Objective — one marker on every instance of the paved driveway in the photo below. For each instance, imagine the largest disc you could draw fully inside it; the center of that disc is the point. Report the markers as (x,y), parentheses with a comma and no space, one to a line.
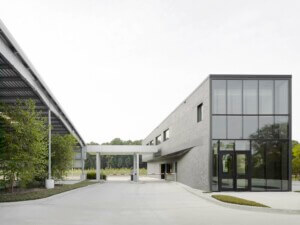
(122,203)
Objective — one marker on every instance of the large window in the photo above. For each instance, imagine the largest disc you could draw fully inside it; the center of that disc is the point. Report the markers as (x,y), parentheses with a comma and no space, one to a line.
(234,127)
(250,127)
(219,127)
(219,96)
(250,97)
(234,97)
(266,96)
(281,97)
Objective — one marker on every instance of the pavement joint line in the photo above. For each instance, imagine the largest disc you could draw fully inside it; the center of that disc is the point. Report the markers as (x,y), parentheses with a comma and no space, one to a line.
(199,193)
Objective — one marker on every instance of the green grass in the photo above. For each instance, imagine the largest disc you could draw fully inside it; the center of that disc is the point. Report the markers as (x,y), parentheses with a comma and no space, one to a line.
(237,201)
(41,193)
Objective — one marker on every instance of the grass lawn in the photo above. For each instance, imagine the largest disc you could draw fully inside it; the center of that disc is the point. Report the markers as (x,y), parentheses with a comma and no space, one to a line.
(237,201)
(41,192)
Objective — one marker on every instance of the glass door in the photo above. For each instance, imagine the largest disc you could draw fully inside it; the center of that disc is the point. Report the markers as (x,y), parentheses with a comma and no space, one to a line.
(242,162)
(234,170)
(226,170)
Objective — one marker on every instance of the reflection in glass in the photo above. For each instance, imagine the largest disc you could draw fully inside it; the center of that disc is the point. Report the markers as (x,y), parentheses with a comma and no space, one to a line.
(250,127)
(273,165)
(219,127)
(241,183)
(250,96)
(258,180)
(242,145)
(234,127)
(227,183)
(281,127)
(285,164)
(241,164)
(281,96)
(215,166)
(234,96)
(227,145)
(266,127)
(227,161)
(266,97)
(218,96)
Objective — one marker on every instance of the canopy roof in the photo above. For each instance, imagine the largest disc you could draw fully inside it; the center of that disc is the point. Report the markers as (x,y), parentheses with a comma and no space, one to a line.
(121,149)
(20,80)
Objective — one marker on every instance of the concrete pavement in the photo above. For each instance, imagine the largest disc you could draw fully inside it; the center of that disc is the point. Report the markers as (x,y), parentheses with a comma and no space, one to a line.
(122,203)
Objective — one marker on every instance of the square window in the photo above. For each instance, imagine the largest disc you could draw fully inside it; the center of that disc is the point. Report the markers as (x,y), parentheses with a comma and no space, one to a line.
(166,134)
(158,140)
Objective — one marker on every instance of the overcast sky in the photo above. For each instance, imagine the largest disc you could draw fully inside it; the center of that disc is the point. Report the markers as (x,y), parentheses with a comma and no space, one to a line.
(119,67)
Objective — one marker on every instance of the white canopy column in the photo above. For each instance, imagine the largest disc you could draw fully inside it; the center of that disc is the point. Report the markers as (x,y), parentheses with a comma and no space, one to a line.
(98,166)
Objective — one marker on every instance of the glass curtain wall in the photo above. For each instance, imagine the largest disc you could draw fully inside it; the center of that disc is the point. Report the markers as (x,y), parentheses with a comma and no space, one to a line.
(250,132)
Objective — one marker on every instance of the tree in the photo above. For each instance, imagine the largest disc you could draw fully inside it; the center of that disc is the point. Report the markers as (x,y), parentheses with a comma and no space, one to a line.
(23,153)
(62,154)
(296,160)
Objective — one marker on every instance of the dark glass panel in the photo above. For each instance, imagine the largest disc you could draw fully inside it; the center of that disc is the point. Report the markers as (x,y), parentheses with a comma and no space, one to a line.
(258,180)
(234,97)
(219,127)
(215,166)
(250,127)
(266,96)
(227,183)
(266,127)
(281,127)
(250,96)
(285,165)
(273,165)
(241,164)
(281,96)
(219,97)
(234,127)
(227,162)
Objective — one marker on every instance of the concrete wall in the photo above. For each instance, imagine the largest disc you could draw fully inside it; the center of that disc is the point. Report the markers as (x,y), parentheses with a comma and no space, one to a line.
(185,133)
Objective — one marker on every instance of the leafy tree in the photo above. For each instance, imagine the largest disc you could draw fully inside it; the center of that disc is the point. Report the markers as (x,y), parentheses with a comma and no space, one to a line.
(62,154)
(23,153)
(296,160)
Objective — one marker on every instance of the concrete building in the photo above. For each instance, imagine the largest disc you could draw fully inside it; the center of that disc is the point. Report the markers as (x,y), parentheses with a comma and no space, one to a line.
(233,133)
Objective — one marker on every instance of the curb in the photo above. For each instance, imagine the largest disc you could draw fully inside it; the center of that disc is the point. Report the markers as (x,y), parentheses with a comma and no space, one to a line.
(235,206)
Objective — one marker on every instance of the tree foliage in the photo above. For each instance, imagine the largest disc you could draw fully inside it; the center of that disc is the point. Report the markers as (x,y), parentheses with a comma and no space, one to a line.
(62,154)
(296,160)
(23,145)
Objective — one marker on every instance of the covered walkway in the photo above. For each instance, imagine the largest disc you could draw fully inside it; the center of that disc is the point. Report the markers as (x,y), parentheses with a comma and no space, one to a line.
(134,150)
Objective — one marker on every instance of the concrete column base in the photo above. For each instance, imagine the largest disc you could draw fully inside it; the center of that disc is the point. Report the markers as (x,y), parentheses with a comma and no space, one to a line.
(49,183)
(83,176)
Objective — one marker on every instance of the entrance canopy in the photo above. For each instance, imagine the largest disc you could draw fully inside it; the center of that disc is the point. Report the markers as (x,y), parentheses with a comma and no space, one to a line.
(134,150)
(120,149)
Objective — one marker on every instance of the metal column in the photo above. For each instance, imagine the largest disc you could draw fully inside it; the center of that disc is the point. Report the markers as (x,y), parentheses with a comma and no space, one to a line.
(49,144)
(137,167)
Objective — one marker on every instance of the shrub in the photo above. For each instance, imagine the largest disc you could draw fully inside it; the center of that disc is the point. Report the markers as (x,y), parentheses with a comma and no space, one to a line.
(91,175)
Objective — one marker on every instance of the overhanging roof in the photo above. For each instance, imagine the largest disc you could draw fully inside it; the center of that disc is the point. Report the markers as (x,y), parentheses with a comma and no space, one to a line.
(20,80)
(121,149)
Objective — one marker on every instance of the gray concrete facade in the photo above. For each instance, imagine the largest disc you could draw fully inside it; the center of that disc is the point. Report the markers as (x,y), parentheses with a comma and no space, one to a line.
(185,134)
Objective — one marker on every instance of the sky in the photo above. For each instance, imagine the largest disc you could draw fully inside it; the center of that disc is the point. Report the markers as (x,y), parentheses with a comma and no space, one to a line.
(119,67)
